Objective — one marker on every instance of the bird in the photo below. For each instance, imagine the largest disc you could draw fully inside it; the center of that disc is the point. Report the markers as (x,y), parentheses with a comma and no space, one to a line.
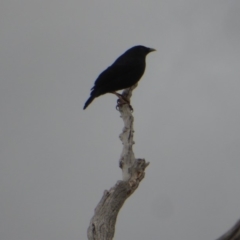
(125,72)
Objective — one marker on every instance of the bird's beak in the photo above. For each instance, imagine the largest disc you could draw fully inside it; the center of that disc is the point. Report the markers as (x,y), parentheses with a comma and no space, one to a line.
(152,50)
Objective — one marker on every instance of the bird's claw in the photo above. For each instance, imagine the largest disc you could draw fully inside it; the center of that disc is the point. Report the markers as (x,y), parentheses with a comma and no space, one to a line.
(120,103)
(131,108)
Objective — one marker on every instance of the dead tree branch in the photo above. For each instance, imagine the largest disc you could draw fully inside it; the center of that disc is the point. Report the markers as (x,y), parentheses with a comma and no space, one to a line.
(102,224)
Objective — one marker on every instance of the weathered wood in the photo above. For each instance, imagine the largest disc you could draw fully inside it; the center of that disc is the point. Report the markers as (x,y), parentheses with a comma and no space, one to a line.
(102,224)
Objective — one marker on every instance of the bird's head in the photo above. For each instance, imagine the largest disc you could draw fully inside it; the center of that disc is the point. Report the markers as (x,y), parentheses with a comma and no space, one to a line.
(141,50)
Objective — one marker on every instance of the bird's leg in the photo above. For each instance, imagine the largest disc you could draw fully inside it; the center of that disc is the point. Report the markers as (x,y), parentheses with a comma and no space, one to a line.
(122,100)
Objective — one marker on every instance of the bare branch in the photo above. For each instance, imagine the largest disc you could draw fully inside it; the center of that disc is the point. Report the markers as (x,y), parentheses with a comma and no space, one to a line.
(102,224)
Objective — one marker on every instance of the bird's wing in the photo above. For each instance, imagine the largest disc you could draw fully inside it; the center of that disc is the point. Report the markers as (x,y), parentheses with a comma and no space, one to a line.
(115,71)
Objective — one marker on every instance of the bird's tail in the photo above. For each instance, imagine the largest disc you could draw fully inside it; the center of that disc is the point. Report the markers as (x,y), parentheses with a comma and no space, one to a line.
(91,98)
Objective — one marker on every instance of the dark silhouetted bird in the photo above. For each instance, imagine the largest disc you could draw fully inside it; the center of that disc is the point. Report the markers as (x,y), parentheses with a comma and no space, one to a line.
(123,73)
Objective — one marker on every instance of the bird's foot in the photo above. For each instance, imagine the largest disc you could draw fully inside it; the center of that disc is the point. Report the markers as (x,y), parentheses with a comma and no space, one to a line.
(121,101)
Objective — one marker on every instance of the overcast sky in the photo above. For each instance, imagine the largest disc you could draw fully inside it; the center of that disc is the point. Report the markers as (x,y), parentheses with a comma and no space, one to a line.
(56,159)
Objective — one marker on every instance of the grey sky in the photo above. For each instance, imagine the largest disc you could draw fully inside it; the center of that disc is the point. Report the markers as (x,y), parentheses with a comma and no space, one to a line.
(56,159)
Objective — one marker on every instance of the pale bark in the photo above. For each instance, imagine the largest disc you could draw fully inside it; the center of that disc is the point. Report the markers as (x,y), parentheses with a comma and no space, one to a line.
(102,224)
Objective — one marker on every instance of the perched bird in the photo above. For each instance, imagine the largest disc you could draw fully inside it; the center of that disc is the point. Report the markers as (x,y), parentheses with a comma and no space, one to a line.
(123,73)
